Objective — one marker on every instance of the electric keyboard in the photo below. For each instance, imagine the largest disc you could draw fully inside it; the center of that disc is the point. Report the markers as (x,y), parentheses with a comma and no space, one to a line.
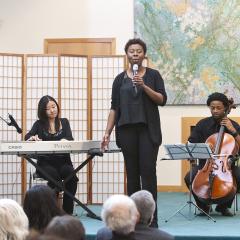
(51,147)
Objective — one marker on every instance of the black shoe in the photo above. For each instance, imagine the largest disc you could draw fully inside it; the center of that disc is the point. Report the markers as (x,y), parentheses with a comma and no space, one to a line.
(201,214)
(207,210)
(224,211)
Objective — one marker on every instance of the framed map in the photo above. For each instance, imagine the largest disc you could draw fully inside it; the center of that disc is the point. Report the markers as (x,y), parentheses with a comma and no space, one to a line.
(195,45)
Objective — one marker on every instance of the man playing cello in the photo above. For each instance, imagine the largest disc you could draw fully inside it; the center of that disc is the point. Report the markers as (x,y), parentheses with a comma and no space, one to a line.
(219,106)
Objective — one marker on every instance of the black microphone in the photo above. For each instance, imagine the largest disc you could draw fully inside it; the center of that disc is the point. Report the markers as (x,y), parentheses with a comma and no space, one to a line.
(135,71)
(14,123)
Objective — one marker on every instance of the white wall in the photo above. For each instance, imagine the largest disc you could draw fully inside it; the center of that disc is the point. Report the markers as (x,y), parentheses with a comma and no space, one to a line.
(24,24)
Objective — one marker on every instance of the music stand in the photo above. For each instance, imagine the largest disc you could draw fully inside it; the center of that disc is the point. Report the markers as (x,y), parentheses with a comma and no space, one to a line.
(189,151)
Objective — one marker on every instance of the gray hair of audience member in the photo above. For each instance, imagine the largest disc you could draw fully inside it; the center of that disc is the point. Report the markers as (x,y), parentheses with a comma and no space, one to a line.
(66,227)
(120,214)
(145,205)
(13,221)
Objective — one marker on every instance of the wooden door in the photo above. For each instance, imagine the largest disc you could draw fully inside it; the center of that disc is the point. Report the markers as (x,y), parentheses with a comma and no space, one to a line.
(80,46)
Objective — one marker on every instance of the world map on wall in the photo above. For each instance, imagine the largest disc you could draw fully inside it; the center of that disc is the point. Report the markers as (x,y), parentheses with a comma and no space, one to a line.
(195,45)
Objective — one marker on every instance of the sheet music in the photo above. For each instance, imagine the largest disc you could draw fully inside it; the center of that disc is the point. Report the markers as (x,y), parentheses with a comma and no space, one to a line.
(188,151)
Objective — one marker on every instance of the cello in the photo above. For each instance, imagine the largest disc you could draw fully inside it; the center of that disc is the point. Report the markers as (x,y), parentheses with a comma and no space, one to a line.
(214,183)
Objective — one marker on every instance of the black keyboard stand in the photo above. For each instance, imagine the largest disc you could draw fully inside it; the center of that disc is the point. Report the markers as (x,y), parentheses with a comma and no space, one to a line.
(92,153)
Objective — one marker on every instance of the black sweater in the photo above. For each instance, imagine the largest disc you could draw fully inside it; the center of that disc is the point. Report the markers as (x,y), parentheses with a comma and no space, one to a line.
(152,79)
(64,133)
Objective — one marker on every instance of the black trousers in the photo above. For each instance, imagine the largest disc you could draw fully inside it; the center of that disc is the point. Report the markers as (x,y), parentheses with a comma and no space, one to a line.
(140,156)
(60,173)
(226,204)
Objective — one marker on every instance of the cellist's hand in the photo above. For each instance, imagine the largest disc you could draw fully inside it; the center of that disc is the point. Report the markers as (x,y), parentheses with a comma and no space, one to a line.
(228,124)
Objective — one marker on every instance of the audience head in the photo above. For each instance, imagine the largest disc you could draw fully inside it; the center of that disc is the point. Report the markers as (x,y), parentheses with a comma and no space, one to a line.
(66,227)
(145,205)
(120,214)
(40,205)
(13,221)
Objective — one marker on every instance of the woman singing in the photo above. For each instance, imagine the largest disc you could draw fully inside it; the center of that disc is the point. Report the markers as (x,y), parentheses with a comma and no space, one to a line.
(136,95)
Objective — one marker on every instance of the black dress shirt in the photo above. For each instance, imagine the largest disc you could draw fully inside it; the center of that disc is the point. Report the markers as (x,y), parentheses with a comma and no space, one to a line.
(205,128)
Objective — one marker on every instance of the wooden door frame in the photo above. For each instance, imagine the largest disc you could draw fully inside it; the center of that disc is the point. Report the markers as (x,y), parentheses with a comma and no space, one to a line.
(111,41)
(187,123)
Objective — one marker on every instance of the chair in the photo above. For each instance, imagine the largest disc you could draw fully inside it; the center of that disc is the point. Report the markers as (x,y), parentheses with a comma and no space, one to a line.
(35,179)
(235,204)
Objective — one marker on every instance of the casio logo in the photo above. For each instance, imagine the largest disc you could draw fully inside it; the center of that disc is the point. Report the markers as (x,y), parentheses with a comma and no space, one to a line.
(15,147)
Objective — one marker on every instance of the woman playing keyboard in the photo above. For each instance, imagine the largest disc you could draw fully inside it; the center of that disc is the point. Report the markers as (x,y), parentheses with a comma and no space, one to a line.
(49,127)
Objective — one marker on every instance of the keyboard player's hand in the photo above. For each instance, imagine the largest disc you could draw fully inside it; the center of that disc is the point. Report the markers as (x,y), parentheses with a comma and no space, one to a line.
(105,142)
(34,138)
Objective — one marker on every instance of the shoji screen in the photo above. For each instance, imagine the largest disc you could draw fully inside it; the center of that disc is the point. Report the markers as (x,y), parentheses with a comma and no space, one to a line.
(10,102)
(82,87)
(108,171)
(74,102)
(41,79)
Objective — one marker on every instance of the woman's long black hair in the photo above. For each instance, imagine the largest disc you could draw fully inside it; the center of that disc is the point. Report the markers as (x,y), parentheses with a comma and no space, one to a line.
(40,206)
(42,115)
